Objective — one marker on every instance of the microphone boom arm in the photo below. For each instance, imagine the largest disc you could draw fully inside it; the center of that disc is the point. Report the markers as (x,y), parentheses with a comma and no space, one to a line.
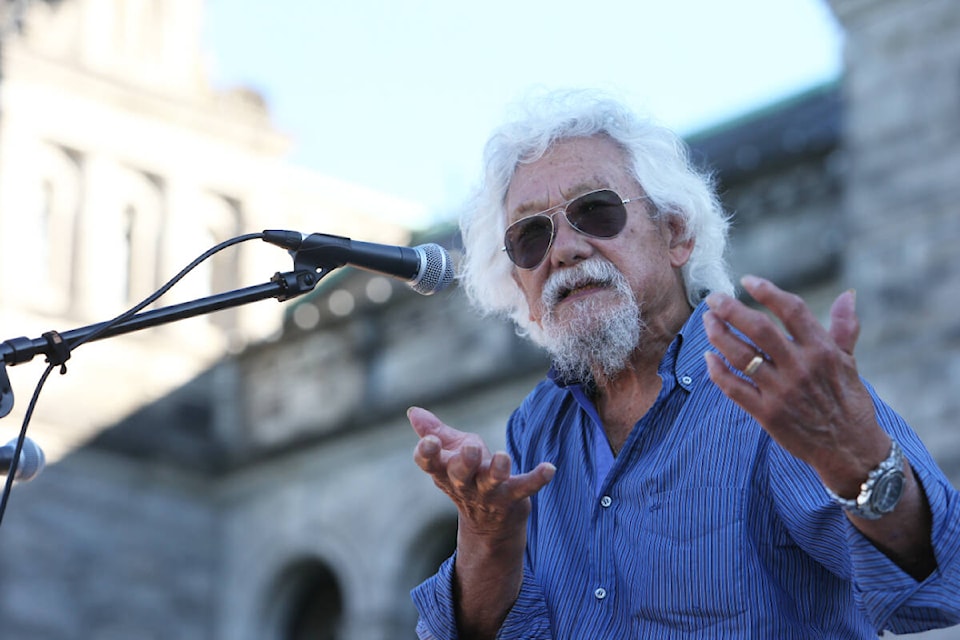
(282,286)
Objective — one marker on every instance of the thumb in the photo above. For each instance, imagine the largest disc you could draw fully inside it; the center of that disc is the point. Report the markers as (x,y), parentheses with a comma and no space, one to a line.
(844,323)
(424,422)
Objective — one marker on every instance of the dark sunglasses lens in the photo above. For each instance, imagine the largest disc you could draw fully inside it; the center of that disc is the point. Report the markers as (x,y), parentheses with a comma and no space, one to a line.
(528,240)
(600,214)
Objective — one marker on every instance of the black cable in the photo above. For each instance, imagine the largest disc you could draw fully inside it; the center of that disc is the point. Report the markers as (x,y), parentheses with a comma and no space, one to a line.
(12,472)
(162,290)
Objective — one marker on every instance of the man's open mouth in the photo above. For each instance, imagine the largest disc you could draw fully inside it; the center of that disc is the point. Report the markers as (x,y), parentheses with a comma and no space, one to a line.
(565,292)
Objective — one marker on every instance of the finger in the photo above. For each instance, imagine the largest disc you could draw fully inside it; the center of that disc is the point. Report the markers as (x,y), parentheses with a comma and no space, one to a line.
(463,465)
(755,325)
(733,386)
(524,485)
(788,307)
(426,423)
(427,454)
(497,472)
(844,323)
(737,352)
(494,472)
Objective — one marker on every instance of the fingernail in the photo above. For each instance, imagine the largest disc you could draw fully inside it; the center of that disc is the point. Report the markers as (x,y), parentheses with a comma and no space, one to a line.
(471,452)
(501,463)
(551,470)
(430,445)
(750,281)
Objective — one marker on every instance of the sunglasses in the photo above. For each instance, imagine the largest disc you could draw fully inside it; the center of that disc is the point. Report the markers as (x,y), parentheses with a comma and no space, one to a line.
(597,214)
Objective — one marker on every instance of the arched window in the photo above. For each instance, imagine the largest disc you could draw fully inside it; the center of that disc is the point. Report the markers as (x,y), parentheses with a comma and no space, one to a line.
(308,603)
(42,234)
(220,219)
(50,229)
(317,609)
(435,543)
(128,223)
(139,229)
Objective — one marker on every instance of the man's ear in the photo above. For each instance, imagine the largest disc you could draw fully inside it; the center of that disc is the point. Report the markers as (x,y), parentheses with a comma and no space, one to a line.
(679,242)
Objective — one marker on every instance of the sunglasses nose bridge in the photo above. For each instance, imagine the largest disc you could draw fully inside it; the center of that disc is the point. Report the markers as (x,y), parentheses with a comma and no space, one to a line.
(562,212)
(565,210)
(567,242)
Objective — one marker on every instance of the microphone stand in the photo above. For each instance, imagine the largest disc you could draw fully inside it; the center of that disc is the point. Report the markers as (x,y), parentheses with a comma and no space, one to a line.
(308,268)
(56,346)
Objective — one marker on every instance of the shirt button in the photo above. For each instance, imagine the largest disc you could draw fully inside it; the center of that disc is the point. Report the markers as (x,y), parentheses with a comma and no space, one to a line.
(686,380)
(600,593)
(606,501)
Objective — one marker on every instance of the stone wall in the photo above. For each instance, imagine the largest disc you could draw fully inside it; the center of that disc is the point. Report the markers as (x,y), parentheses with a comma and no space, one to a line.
(107,548)
(902,206)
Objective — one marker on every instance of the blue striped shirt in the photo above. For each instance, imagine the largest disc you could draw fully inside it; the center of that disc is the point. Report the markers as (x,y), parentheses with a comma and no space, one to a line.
(701,527)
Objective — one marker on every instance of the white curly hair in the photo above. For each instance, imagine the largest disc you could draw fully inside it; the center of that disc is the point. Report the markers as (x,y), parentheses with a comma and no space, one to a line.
(661,166)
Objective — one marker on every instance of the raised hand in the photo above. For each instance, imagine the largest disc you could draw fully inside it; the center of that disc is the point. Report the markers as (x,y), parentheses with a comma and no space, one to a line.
(800,382)
(490,501)
(493,508)
(802,386)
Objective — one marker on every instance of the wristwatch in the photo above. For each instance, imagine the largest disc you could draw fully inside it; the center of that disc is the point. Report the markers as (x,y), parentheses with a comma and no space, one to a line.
(881,491)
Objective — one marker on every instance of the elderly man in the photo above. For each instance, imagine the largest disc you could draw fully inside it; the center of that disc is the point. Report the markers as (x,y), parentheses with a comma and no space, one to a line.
(687,469)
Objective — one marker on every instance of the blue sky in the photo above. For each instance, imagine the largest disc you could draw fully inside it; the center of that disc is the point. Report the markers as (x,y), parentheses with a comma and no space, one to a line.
(400,96)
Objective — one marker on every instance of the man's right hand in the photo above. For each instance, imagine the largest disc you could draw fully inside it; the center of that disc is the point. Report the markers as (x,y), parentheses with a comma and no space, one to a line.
(493,508)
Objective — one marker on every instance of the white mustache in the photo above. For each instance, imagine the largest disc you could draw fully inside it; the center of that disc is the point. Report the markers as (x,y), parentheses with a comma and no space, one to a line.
(592,272)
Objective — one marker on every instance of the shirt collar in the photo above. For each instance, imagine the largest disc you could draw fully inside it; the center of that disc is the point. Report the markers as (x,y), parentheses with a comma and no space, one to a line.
(684,357)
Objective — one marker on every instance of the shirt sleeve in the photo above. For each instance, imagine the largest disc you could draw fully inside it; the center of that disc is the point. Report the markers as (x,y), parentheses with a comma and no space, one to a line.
(890,598)
(528,618)
(894,599)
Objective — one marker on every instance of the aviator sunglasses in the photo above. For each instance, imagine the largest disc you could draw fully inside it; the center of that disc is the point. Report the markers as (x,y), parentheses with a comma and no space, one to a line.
(597,214)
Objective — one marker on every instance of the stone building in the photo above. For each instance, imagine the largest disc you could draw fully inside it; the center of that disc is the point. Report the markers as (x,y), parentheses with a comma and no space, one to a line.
(119,164)
(274,495)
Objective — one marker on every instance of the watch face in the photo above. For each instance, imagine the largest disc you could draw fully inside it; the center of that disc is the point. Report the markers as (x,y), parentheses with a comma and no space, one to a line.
(887,492)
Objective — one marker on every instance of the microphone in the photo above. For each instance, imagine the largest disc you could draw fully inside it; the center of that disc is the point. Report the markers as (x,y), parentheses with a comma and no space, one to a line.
(31,461)
(426,268)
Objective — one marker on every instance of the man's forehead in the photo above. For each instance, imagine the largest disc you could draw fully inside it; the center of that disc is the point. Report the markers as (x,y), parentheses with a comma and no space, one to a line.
(568,168)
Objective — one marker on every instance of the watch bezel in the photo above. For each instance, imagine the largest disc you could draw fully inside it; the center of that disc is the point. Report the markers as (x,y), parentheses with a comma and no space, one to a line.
(876,499)
(882,499)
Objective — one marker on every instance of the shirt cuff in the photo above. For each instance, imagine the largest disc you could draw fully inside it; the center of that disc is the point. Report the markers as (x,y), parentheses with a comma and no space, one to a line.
(433,599)
(528,618)
(893,599)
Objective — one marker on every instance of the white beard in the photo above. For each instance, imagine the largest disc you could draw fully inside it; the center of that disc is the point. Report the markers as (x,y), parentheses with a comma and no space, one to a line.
(597,337)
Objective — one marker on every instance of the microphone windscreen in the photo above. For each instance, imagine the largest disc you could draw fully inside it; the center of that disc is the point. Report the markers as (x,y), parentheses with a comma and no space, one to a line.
(436,269)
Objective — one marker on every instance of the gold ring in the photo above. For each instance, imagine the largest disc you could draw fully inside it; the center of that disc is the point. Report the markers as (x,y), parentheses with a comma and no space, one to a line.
(754,364)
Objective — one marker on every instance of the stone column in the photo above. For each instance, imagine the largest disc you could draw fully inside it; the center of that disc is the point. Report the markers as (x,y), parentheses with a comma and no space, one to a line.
(902,206)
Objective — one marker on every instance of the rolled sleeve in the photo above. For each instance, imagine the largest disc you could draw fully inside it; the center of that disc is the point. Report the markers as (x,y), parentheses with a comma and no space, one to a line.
(892,598)
(528,618)
(433,599)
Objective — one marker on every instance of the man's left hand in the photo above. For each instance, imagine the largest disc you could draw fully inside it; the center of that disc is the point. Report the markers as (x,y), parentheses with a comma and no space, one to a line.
(800,381)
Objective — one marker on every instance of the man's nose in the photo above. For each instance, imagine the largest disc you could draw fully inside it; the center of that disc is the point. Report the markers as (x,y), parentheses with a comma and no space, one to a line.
(569,245)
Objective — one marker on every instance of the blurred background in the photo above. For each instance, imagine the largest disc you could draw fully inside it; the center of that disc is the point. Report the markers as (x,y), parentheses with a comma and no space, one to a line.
(248,474)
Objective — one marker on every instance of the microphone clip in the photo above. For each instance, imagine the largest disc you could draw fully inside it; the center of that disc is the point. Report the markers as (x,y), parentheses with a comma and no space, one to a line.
(295,283)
